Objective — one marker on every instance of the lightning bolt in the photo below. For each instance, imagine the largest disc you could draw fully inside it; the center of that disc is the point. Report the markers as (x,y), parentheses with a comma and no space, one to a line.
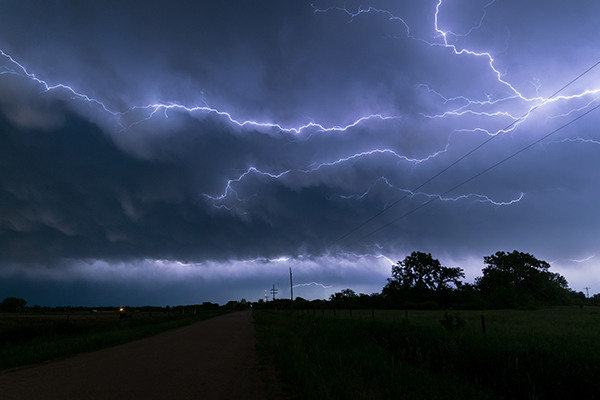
(230,191)
(576,140)
(152,109)
(128,118)
(442,38)
(465,109)
(22,72)
(148,111)
(584,260)
(479,198)
(505,110)
(467,106)
(515,109)
(313,284)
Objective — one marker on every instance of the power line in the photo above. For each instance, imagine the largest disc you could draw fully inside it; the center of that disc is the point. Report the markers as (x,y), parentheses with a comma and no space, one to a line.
(462,158)
(273,292)
(291,290)
(281,277)
(476,175)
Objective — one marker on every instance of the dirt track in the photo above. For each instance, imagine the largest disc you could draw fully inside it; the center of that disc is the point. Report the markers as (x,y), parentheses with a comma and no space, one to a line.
(213,359)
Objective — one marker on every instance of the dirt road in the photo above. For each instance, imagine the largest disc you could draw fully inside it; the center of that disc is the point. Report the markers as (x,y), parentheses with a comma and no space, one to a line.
(213,359)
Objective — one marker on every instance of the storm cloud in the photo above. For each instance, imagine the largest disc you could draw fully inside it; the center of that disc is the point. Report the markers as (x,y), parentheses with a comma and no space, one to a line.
(156,153)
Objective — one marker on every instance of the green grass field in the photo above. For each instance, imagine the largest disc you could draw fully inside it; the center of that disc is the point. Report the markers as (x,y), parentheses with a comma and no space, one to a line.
(32,338)
(542,354)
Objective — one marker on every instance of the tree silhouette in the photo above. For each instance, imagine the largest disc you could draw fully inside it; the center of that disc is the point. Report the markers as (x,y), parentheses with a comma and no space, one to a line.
(513,279)
(344,298)
(12,304)
(423,272)
(420,277)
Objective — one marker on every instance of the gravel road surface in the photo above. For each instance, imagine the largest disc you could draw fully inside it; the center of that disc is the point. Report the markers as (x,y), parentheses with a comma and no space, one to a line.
(212,359)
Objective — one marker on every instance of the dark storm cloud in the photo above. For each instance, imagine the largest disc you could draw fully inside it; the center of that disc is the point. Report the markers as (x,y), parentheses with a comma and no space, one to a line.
(72,193)
(120,180)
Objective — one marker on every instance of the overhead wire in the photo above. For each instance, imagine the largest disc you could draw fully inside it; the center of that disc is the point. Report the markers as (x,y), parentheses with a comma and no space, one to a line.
(476,175)
(460,159)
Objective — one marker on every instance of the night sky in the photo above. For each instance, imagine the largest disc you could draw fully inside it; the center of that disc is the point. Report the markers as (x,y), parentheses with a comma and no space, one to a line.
(156,153)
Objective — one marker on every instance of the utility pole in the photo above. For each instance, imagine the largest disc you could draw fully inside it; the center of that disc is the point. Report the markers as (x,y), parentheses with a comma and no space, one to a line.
(291,289)
(273,292)
(587,292)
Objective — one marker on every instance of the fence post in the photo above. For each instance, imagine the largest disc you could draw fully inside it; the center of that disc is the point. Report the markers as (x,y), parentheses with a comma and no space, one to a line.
(482,323)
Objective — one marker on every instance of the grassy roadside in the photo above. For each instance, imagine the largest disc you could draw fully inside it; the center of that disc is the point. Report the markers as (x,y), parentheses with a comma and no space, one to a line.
(35,339)
(326,358)
(543,354)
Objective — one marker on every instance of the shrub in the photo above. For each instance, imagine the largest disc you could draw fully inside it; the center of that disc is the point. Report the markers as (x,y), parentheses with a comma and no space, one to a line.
(453,323)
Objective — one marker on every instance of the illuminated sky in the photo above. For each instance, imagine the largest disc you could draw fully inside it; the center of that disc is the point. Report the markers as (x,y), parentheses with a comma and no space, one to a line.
(160,153)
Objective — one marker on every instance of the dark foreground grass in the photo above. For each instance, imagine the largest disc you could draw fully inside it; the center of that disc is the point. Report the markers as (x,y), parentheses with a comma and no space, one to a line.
(326,358)
(543,354)
(31,339)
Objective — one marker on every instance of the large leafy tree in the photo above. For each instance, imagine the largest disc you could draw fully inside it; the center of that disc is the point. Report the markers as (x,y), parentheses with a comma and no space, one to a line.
(423,272)
(12,304)
(345,296)
(517,278)
(420,277)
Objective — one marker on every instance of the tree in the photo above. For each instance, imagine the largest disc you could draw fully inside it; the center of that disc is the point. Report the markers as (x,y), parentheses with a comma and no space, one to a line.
(12,304)
(344,295)
(423,272)
(420,277)
(301,303)
(515,279)
(344,298)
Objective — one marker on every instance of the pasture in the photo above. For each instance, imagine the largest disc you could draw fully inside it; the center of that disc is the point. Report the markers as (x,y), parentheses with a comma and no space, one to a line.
(551,353)
(28,338)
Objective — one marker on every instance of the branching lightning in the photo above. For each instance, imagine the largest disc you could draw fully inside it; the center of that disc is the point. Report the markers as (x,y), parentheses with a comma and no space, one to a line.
(584,260)
(470,107)
(230,190)
(477,198)
(150,110)
(313,284)
(497,110)
(474,107)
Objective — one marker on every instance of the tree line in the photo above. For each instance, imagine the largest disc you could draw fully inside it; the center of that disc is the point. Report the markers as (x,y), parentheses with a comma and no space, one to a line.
(509,280)
(15,304)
